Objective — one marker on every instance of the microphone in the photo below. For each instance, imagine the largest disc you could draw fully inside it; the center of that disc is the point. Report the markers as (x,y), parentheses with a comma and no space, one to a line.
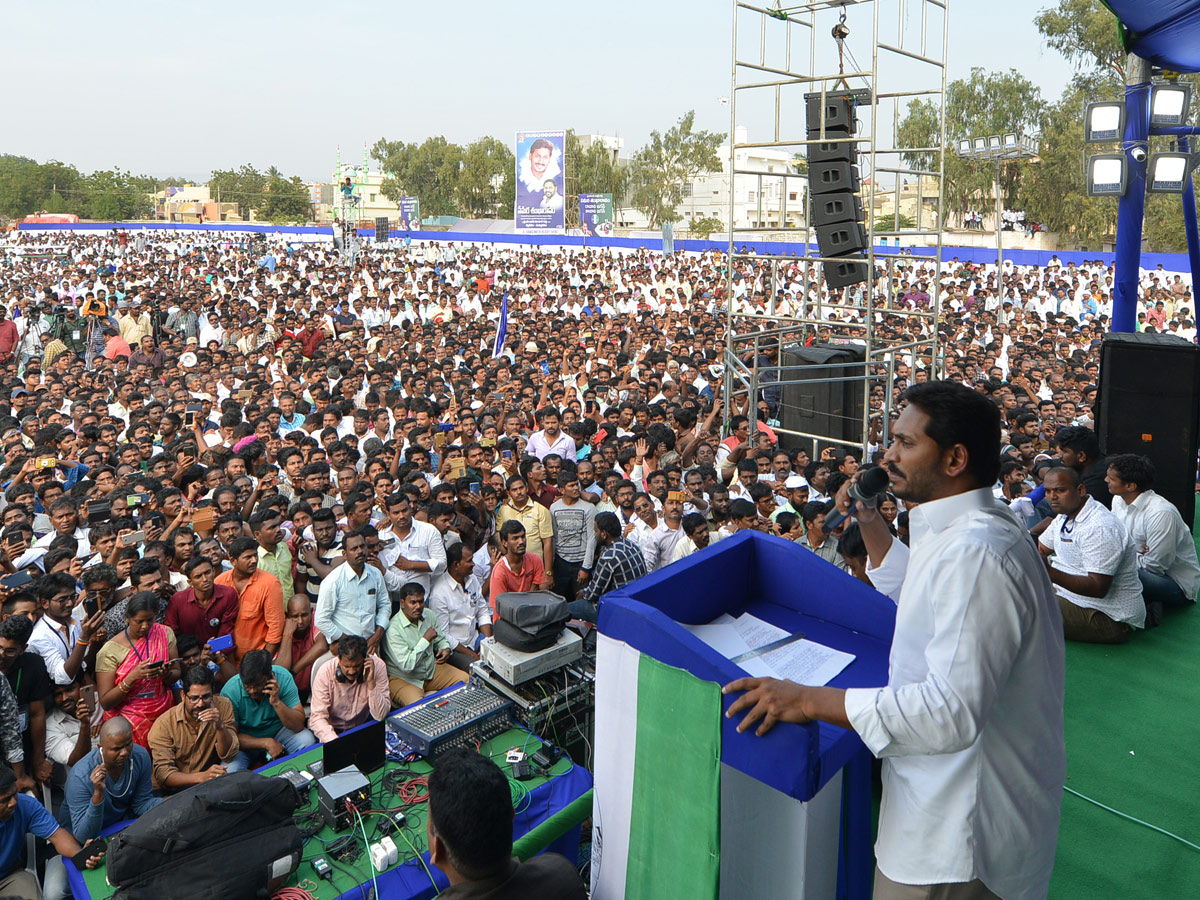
(866,490)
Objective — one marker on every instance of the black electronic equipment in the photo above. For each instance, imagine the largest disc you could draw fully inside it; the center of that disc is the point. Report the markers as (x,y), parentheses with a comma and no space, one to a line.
(833,182)
(381,228)
(338,792)
(1149,403)
(301,781)
(363,747)
(461,717)
(815,403)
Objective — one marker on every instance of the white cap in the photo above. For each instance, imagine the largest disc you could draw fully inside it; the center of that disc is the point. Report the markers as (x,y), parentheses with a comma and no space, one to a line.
(795,481)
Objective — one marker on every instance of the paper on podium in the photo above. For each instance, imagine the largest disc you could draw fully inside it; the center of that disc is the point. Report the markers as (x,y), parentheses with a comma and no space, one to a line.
(802,661)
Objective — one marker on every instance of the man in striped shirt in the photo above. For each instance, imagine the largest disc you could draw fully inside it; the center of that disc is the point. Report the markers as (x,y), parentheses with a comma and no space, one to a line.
(620,562)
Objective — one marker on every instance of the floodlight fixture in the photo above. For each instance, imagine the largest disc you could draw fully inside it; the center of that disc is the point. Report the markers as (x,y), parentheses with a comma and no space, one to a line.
(1107,175)
(979,145)
(994,142)
(964,146)
(1169,102)
(1168,173)
(1104,122)
(1010,140)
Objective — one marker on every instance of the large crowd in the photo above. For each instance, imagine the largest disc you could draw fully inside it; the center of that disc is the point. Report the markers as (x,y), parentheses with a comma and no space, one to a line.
(253,496)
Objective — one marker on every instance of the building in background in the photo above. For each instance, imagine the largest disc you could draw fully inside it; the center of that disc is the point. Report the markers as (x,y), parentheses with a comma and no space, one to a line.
(773,202)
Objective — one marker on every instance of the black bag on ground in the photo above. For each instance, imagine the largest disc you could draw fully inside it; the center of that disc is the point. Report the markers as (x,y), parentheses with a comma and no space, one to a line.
(232,838)
(529,621)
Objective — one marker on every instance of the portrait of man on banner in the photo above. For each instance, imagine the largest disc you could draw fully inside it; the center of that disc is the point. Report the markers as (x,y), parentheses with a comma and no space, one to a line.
(541,189)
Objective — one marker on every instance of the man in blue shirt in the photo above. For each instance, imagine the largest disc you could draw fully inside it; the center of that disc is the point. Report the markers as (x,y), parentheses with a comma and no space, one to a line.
(269,714)
(20,814)
(110,784)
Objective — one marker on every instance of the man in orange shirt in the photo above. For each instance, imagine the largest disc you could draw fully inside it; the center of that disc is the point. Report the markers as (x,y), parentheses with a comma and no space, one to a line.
(516,570)
(260,615)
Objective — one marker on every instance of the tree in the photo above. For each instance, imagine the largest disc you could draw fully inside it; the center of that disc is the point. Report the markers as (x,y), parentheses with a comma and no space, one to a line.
(488,166)
(667,162)
(1088,35)
(984,103)
(705,227)
(285,200)
(887,222)
(245,186)
(429,170)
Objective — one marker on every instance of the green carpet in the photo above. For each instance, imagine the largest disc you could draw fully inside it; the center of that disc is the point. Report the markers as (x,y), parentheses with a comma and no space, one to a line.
(1132,738)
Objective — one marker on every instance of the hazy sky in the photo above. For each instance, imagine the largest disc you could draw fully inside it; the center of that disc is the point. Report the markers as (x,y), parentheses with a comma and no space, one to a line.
(170,88)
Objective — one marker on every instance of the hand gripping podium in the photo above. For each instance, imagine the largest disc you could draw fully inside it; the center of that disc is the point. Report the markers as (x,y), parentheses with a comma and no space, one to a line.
(684,803)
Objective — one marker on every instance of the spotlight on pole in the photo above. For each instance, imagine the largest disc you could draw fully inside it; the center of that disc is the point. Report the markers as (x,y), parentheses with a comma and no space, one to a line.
(1107,175)
(1168,173)
(1169,103)
(1104,122)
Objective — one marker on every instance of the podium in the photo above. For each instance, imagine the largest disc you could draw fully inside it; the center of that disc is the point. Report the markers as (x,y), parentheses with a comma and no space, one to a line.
(794,809)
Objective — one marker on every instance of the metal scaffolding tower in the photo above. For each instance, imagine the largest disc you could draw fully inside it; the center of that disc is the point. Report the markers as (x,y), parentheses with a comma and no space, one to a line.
(781,53)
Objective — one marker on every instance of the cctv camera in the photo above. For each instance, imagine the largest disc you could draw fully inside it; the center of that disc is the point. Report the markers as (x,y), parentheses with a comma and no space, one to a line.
(1138,154)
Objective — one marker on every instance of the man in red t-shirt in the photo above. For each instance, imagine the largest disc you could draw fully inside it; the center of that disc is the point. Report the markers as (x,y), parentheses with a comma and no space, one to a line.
(8,336)
(302,644)
(516,570)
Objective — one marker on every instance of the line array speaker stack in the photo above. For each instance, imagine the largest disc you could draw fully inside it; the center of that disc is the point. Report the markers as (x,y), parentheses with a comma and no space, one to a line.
(381,229)
(1149,403)
(833,184)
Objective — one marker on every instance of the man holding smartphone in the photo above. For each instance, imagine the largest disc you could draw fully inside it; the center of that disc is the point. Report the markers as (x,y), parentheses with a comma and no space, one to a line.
(194,740)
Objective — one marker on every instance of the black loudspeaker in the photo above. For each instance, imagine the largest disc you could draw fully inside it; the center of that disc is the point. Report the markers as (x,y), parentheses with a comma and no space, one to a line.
(817,405)
(381,228)
(841,238)
(843,273)
(841,151)
(840,207)
(826,178)
(839,114)
(1149,403)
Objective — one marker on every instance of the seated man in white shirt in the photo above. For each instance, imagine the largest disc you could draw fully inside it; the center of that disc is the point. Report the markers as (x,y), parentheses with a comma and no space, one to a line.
(1165,548)
(463,613)
(1094,569)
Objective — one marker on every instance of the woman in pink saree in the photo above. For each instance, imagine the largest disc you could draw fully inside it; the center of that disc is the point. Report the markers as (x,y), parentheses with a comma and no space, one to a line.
(135,667)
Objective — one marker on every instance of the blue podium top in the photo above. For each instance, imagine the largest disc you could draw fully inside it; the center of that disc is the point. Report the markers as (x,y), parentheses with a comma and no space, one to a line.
(790,587)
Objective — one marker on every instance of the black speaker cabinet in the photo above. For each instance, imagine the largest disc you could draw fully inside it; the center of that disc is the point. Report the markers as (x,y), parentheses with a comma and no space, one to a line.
(839,113)
(1149,403)
(381,228)
(827,177)
(816,404)
(841,238)
(838,207)
(845,272)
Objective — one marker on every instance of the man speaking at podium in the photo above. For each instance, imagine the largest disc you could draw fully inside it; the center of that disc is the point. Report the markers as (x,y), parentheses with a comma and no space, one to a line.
(970,725)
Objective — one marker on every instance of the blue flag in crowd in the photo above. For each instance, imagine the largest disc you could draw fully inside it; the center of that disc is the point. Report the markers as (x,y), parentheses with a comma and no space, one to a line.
(501,327)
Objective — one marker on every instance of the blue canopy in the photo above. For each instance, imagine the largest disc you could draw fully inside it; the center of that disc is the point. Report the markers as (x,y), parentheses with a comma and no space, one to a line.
(1166,32)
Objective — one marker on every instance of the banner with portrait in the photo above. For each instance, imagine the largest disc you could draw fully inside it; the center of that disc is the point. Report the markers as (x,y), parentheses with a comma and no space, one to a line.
(596,214)
(410,214)
(540,206)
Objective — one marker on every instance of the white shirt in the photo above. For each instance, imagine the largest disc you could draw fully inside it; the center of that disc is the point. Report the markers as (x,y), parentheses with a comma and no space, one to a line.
(423,544)
(1163,544)
(541,447)
(54,646)
(970,725)
(461,609)
(1097,542)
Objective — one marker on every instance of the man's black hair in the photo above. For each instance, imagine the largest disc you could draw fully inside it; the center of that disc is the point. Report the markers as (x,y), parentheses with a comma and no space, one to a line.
(959,415)
(1133,468)
(471,811)
(255,667)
